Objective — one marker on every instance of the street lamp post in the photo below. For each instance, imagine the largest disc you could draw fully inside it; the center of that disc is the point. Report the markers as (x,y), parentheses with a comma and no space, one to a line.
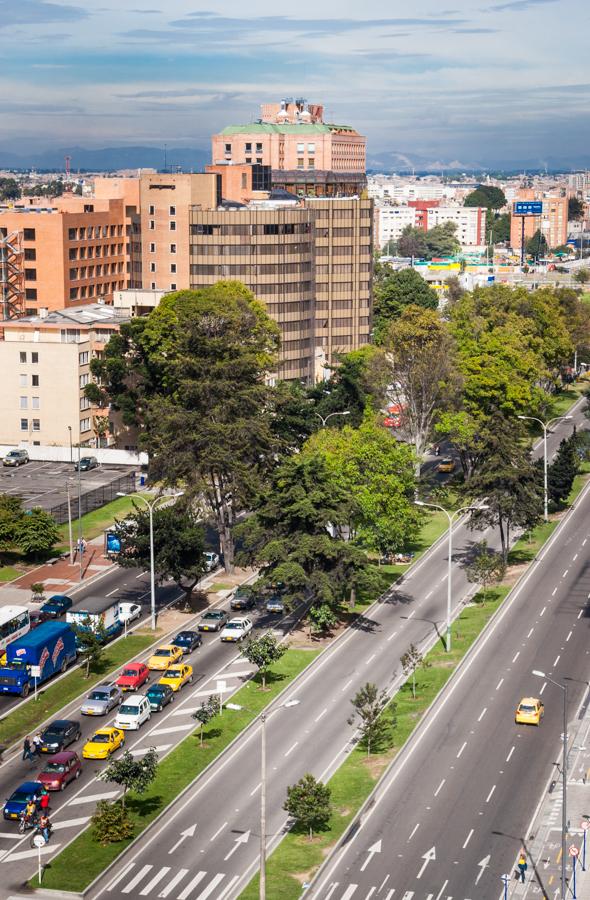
(80,514)
(70,523)
(451,517)
(562,687)
(71,451)
(151,505)
(324,419)
(545,426)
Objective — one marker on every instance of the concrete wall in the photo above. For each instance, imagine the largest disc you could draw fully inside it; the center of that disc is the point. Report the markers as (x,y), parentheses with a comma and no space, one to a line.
(62,454)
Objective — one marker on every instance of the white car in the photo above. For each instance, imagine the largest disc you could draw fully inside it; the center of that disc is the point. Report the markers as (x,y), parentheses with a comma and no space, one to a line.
(236,629)
(211,560)
(128,612)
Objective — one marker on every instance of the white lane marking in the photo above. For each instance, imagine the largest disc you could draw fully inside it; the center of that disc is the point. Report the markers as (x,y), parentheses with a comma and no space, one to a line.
(173,882)
(211,886)
(543,687)
(569,636)
(580,614)
(391,636)
(141,574)
(428,595)
(565,573)
(141,751)
(227,888)
(530,632)
(121,876)
(157,878)
(323,713)
(557,658)
(482,713)
(574,558)
(371,892)
(349,892)
(554,592)
(389,895)
(411,614)
(516,657)
(584,542)
(439,895)
(468,838)
(512,749)
(112,592)
(333,887)
(257,788)
(436,793)
(10,837)
(500,683)
(370,659)
(461,750)
(136,879)
(193,883)
(69,823)
(444,578)
(173,728)
(383,883)
(27,854)
(414,830)
(489,797)
(89,798)
(290,750)
(218,832)
(542,611)
(346,686)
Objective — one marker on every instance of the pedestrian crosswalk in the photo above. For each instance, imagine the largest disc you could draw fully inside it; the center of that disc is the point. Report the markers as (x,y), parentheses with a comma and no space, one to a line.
(166,881)
(337,891)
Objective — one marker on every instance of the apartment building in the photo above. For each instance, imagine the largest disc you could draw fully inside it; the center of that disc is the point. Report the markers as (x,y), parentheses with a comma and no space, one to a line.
(552,222)
(44,368)
(469,221)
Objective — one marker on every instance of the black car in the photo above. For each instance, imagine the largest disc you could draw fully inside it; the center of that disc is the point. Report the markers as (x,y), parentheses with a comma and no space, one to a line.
(213,620)
(87,463)
(159,696)
(188,640)
(60,734)
(243,599)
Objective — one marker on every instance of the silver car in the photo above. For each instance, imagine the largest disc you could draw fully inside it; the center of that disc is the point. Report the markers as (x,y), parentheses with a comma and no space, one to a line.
(101,700)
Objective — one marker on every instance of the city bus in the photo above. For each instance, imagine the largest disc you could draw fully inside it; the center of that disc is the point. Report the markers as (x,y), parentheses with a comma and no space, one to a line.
(14,623)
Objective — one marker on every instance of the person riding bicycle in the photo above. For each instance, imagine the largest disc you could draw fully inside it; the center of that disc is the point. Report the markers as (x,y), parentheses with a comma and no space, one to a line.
(44,826)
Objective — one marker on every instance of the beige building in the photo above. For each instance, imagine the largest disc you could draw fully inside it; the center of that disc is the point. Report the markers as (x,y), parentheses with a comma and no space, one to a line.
(44,368)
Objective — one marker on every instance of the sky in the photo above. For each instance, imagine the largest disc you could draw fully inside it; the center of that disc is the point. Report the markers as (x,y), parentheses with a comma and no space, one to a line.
(474,82)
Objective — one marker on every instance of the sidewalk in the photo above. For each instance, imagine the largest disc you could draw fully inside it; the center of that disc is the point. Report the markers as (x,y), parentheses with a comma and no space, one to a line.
(544,848)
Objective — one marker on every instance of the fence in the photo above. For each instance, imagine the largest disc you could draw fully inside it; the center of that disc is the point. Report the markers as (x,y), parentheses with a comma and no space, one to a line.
(95,499)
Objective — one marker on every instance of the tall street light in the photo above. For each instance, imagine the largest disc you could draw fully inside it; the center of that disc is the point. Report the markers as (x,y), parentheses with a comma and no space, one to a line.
(68,483)
(80,554)
(329,416)
(71,451)
(562,687)
(545,426)
(451,517)
(151,505)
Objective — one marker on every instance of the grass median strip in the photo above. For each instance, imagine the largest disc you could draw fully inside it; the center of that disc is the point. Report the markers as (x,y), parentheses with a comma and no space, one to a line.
(84,859)
(95,522)
(54,697)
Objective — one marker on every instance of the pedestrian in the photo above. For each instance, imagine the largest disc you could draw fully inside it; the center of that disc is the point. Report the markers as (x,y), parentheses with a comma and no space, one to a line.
(37,742)
(522,866)
(27,751)
(44,800)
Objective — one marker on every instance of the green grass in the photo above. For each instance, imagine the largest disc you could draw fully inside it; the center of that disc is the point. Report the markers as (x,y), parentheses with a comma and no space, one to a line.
(83,860)
(562,400)
(95,522)
(9,573)
(51,699)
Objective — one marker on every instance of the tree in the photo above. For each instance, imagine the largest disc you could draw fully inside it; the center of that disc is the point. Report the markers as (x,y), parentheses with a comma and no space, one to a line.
(412,243)
(487,195)
(11,514)
(262,652)
(179,544)
(498,227)
(36,532)
(309,803)
(421,372)
(508,481)
(132,774)
(349,388)
(322,618)
(91,640)
(537,245)
(9,189)
(410,662)
(582,276)
(111,823)
(193,374)
(575,209)
(397,291)
(454,289)
(369,705)
(442,240)
(563,470)
(486,567)
(206,712)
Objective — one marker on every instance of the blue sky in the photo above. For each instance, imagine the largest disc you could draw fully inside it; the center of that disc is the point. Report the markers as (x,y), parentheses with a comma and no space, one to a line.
(471,81)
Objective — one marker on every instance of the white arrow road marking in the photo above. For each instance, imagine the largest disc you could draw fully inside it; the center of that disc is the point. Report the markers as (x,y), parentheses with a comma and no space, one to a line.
(241,839)
(375,848)
(189,832)
(482,867)
(427,857)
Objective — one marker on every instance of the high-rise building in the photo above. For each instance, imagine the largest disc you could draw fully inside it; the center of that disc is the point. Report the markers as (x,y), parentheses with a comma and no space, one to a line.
(552,222)
(306,155)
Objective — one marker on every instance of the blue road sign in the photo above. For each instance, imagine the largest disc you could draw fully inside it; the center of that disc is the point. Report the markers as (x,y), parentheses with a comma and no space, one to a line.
(528,207)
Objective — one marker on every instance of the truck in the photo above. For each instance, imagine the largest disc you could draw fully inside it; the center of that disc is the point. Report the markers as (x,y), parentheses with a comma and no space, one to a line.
(96,614)
(35,657)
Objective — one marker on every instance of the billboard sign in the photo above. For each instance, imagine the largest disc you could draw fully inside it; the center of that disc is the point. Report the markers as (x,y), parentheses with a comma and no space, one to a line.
(112,543)
(528,207)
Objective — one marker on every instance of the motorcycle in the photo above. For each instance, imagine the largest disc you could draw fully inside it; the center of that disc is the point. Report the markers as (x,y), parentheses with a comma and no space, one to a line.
(26,822)
(39,830)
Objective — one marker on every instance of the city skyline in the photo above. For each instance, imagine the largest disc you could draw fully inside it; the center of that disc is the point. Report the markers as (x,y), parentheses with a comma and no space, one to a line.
(470,86)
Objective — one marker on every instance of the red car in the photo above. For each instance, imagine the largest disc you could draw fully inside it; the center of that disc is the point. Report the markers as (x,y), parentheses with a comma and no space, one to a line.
(59,770)
(133,676)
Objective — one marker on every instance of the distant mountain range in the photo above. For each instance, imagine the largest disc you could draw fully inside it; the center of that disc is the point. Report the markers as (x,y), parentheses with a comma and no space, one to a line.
(398,161)
(106,159)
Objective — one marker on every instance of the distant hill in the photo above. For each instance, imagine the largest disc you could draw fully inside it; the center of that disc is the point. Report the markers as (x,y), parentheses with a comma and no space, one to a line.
(106,159)
(398,161)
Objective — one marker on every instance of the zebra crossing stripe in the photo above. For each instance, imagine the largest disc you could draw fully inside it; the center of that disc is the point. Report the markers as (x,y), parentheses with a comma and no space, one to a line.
(157,878)
(173,882)
(211,886)
(186,892)
(121,876)
(136,879)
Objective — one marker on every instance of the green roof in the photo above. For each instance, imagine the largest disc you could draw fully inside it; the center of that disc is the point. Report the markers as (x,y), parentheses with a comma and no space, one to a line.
(268,128)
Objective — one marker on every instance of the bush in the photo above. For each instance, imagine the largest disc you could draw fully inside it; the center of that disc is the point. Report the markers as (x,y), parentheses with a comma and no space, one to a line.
(111,823)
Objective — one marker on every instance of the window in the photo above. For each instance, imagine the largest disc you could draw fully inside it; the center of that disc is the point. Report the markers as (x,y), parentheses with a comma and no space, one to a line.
(23,380)
(29,234)
(30,274)
(172,225)
(172,287)
(259,148)
(71,234)
(173,268)
(244,181)
(311,148)
(84,424)
(152,248)
(84,403)
(24,404)
(35,380)
(152,225)
(228,148)
(259,160)
(153,285)
(152,267)
(152,210)
(30,254)
(172,248)
(24,424)
(248,147)
(311,163)
(36,424)
(34,357)
(300,148)
(300,163)
(35,402)
(84,379)
(30,293)
(248,159)
(23,357)
(83,358)
(172,210)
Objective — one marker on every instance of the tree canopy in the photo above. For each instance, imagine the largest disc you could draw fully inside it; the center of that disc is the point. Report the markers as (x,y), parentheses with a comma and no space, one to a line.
(486,195)
(394,291)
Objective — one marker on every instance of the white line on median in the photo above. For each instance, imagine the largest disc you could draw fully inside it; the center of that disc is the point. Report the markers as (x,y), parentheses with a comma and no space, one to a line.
(482,713)
(489,797)
(461,750)
(436,793)
(218,832)
(512,749)
(468,838)
(414,830)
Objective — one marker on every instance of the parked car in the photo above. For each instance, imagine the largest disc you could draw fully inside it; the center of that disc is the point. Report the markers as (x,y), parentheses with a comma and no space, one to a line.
(103,743)
(187,641)
(177,676)
(59,734)
(211,560)
(243,598)
(37,617)
(159,696)
(56,606)
(133,676)
(129,612)
(16,458)
(17,801)
(275,605)
(236,629)
(446,465)
(164,656)
(86,463)
(59,770)
(133,712)
(213,620)
(102,699)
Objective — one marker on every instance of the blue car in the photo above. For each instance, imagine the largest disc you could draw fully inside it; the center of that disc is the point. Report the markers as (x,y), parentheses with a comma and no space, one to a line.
(57,605)
(17,801)
(187,640)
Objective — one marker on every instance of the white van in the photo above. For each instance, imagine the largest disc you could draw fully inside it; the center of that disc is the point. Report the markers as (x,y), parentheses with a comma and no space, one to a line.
(133,712)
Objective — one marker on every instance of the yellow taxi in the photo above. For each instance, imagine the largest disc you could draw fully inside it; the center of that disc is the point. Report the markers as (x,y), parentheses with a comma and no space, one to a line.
(529,711)
(103,742)
(177,676)
(164,656)
(446,465)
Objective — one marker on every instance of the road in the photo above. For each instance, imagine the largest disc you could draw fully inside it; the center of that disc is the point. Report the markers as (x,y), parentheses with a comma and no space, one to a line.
(221,810)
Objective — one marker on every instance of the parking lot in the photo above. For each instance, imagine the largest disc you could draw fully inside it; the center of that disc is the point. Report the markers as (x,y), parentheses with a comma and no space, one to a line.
(44,484)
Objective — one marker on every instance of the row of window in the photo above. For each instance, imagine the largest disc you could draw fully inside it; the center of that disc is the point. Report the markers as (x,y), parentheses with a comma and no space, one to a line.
(24,402)
(95,252)
(152,210)
(34,426)
(172,248)
(96,271)
(24,380)
(24,356)
(88,233)
(268,228)
(264,249)
(152,225)
(153,268)
(234,271)
(171,288)
(96,290)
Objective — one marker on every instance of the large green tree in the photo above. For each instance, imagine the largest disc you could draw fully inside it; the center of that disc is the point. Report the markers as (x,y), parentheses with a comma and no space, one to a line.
(11,514)
(394,292)
(487,195)
(442,240)
(36,532)
(412,243)
(193,374)
(575,208)
(537,245)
